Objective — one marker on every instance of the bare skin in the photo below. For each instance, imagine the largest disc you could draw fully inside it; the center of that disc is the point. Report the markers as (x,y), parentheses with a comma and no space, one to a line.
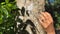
(47,22)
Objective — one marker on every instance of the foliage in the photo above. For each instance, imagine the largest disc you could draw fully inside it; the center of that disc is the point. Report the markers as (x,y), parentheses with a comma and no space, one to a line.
(55,9)
(57,12)
(7,16)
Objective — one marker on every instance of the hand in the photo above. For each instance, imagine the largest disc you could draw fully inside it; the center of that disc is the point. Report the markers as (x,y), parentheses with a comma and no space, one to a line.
(45,19)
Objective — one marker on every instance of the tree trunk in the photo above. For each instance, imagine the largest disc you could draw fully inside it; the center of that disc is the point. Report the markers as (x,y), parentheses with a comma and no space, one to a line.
(29,12)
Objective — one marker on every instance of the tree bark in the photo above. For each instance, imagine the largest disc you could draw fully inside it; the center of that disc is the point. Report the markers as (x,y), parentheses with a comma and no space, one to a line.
(32,9)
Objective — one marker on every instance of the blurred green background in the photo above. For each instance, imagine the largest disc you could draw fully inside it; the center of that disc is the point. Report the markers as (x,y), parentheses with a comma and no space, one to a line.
(53,7)
(8,12)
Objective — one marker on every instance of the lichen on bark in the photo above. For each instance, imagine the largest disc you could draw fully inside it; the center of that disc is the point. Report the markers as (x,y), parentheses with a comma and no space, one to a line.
(33,8)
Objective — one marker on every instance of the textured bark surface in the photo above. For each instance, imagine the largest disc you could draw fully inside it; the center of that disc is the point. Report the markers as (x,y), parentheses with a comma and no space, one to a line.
(32,9)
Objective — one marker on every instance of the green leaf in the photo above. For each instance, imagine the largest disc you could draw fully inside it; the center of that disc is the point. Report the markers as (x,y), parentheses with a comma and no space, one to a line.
(14,7)
(1,33)
(5,11)
(8,8)
(1,19)
(2,3)
(9,5)
(7,1)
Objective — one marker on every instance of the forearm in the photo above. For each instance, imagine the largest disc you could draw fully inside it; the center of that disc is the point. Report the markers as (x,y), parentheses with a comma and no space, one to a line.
(50,29)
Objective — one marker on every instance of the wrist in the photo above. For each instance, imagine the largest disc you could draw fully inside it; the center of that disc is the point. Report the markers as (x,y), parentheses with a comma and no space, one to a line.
(50,29)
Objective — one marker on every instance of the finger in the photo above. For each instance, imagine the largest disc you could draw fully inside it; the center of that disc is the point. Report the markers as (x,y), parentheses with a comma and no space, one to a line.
(44,15)
(49,20)
(42,18)
(46,20)
(49,17)
(45,25)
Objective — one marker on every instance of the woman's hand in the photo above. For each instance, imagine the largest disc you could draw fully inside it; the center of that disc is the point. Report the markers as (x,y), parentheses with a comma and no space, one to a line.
(47,22)
(45,19)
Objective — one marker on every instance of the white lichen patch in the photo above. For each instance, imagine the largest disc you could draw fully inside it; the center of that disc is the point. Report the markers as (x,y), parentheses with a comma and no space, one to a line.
(30,7)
